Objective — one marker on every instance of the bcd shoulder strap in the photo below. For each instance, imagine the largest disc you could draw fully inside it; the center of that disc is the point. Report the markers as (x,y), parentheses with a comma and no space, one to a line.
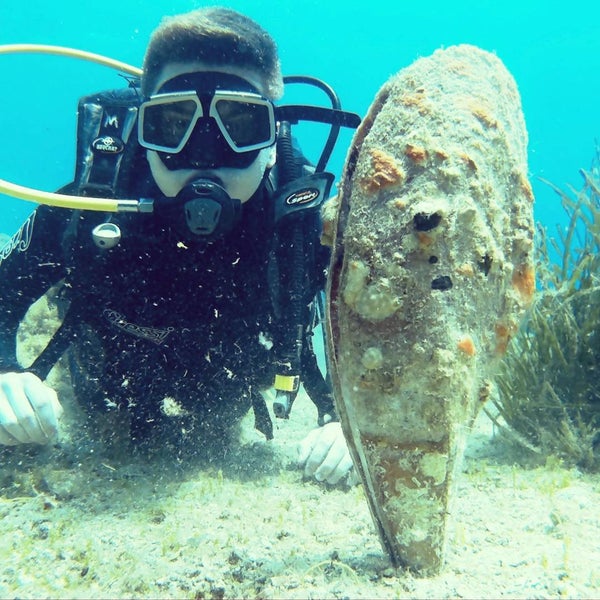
(296,279)
(106,144)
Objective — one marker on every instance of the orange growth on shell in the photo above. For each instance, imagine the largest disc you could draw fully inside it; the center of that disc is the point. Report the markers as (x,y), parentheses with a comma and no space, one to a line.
(384,172)
(466,269)
(467,345)
(523,280)
(482,114)
(416,100)
(417,154)
(468,161)
(425,240)
(503,335)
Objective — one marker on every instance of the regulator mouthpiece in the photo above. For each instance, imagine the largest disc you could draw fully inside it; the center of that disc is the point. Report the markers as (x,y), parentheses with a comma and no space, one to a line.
(208,209)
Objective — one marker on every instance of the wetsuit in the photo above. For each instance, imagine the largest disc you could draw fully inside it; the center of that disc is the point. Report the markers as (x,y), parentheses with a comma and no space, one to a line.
(153,317)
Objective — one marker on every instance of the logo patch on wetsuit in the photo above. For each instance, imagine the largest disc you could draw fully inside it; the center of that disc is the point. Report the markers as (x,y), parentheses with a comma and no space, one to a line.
(153,334)
(108,144)
(302,196)
(19,241)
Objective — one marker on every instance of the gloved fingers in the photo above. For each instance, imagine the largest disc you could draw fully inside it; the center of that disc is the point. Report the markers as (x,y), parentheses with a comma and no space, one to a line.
(6,439)
(11,425)
(315,459)
(324,454)
(305,447)
(353,477)
(335,465)
(322,443)
(11,399)
(45,403)
(29,409)
(342,469)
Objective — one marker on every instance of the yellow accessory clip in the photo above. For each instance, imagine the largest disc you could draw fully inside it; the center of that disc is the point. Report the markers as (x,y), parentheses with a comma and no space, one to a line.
(287,383)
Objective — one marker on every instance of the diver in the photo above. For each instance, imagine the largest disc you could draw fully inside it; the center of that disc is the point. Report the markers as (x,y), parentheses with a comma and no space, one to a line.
(170,315)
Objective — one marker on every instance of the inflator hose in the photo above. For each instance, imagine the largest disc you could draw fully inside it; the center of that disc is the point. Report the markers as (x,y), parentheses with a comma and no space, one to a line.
(290,359)
(62,200)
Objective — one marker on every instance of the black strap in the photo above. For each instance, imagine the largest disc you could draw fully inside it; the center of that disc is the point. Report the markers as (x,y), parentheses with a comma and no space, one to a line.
(262,419)
(57,345)
(317,386)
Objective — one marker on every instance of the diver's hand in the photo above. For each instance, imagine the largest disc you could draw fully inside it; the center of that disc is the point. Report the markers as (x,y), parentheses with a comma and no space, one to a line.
(324,455)
(29,410)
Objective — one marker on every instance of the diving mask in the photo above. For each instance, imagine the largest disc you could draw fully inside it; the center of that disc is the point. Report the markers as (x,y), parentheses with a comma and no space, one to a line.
(207,119)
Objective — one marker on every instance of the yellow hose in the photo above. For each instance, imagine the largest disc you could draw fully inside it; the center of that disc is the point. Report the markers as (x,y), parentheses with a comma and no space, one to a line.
(70,52)
(51,198)
(59,200)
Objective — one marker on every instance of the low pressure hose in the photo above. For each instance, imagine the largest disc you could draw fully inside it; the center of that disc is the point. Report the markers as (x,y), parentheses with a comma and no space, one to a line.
(62,200)
(289,362)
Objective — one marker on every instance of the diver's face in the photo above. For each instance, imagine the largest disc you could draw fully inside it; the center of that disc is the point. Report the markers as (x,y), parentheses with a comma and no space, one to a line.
(240,176)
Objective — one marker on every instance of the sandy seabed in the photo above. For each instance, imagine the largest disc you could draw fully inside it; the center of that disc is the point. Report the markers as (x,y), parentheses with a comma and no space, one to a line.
(77,524)
(83,520)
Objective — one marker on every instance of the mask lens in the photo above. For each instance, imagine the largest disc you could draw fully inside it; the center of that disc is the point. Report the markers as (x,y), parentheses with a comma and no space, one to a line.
(247,124)
(168,125)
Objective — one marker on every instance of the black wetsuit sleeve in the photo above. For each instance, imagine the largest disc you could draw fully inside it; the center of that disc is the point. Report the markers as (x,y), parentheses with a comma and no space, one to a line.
(30,263)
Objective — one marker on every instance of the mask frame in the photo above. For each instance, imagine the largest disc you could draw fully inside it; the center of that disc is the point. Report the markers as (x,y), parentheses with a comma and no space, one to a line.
(218,102)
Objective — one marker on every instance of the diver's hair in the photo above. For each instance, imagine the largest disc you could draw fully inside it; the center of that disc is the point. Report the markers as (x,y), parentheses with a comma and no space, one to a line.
(216,35)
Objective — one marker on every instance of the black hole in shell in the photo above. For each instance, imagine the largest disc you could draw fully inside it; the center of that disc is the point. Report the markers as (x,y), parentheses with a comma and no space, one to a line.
(425,222)
(433,260)
(442,283)
(485,264)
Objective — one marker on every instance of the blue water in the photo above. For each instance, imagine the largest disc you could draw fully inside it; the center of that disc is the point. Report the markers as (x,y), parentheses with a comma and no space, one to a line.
(552,49)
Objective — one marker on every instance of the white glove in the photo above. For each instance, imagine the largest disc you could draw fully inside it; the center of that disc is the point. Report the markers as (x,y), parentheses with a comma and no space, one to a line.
(29,410)
(324,454)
